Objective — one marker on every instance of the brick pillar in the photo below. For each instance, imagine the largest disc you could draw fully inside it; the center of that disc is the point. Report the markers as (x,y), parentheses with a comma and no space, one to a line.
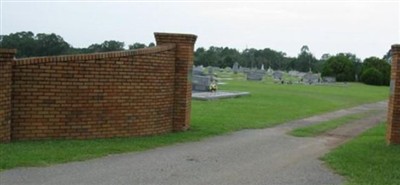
(6,58)
(393,129)
(183,67)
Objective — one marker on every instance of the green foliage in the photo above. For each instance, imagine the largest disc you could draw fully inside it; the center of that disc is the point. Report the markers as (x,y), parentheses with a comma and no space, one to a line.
(372,76)
(268,105)
(137,46)
(367,160)
(251,58)
(50,44)
(28,44)
(341,67)
(110,45)
(381,72)
(305,61)
(325,126)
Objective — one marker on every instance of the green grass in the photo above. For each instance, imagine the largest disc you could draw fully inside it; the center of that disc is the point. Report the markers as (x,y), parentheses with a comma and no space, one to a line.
(314,130)
(269,104)
(367,160)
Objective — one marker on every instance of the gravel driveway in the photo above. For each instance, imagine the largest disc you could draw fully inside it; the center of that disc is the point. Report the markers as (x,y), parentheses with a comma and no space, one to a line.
(260,156)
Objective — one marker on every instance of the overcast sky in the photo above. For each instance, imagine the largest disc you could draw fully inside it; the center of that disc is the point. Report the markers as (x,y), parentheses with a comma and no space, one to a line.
(366,28)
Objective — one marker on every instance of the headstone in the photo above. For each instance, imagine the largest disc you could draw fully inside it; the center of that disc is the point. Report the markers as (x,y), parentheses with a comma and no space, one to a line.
(235,67)
(255,75)
(245,70)
(201,83)
(277,75)
(198,71)
(270,71)
(329,79)
(210,70)
(310,78)
(262,67)
(293,73)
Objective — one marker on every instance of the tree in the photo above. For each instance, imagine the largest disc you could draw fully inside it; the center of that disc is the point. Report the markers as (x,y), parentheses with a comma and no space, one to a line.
(137,46)
(27,44)
(50,44)
(340,67)
(305,60)
(24,42)
(372,76)
(199,56)
(110,45)
(380,65)
(388,56)
(304,49)
(325,56)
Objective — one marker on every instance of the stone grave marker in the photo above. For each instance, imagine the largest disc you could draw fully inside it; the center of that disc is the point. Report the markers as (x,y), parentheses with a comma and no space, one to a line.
(329,79)
(311,78)
(277,75)
(255,75)
(201,83)
(235,67)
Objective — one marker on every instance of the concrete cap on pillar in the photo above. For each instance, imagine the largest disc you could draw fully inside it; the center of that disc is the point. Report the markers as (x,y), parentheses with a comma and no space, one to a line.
(162,38)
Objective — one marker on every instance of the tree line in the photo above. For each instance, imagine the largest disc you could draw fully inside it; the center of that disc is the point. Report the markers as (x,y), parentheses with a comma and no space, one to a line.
(344,66)
(29,44)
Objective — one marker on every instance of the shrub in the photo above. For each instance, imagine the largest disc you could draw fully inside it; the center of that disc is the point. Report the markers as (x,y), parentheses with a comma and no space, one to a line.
(380,65)
(372,76)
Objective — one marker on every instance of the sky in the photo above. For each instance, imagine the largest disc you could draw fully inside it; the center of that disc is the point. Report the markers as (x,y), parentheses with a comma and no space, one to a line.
(365,28)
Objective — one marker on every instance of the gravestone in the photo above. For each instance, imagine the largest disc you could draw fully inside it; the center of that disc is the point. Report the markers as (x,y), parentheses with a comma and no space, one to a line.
(245,69)
(198,71)
(311,78)
(210,70)
(329,79)
(293,73)
(201,83)
(277,75)
(270,71)
(255,75)
(235,67)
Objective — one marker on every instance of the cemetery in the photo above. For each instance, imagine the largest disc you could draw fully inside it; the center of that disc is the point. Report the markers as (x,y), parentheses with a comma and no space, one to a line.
(203,102)
(266,92)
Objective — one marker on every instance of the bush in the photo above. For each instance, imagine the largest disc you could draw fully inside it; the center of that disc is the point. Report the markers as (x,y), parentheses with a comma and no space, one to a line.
(372,76)
(380,65)
(340,67)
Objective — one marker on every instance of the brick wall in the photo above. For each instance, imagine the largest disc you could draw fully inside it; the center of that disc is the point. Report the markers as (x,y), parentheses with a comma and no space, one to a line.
(183,69)
(393,129)
(6,58)
(102,95)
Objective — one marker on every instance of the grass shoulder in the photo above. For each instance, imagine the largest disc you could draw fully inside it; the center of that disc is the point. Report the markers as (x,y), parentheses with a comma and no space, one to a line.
(367,159)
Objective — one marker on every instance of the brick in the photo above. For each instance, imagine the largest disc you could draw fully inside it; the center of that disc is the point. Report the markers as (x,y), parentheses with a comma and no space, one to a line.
(101,95)
(393,129)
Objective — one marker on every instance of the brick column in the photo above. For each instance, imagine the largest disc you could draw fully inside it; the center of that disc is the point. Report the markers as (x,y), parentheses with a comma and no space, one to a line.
(393,129)
(183,67)
(6,58)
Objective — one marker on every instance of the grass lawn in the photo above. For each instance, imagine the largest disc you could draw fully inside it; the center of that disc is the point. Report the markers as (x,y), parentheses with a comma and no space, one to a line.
(269,104)
(314,130)
(367,160)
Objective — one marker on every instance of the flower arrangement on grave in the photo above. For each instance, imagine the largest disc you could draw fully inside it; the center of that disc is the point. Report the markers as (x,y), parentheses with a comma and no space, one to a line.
(213,87)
